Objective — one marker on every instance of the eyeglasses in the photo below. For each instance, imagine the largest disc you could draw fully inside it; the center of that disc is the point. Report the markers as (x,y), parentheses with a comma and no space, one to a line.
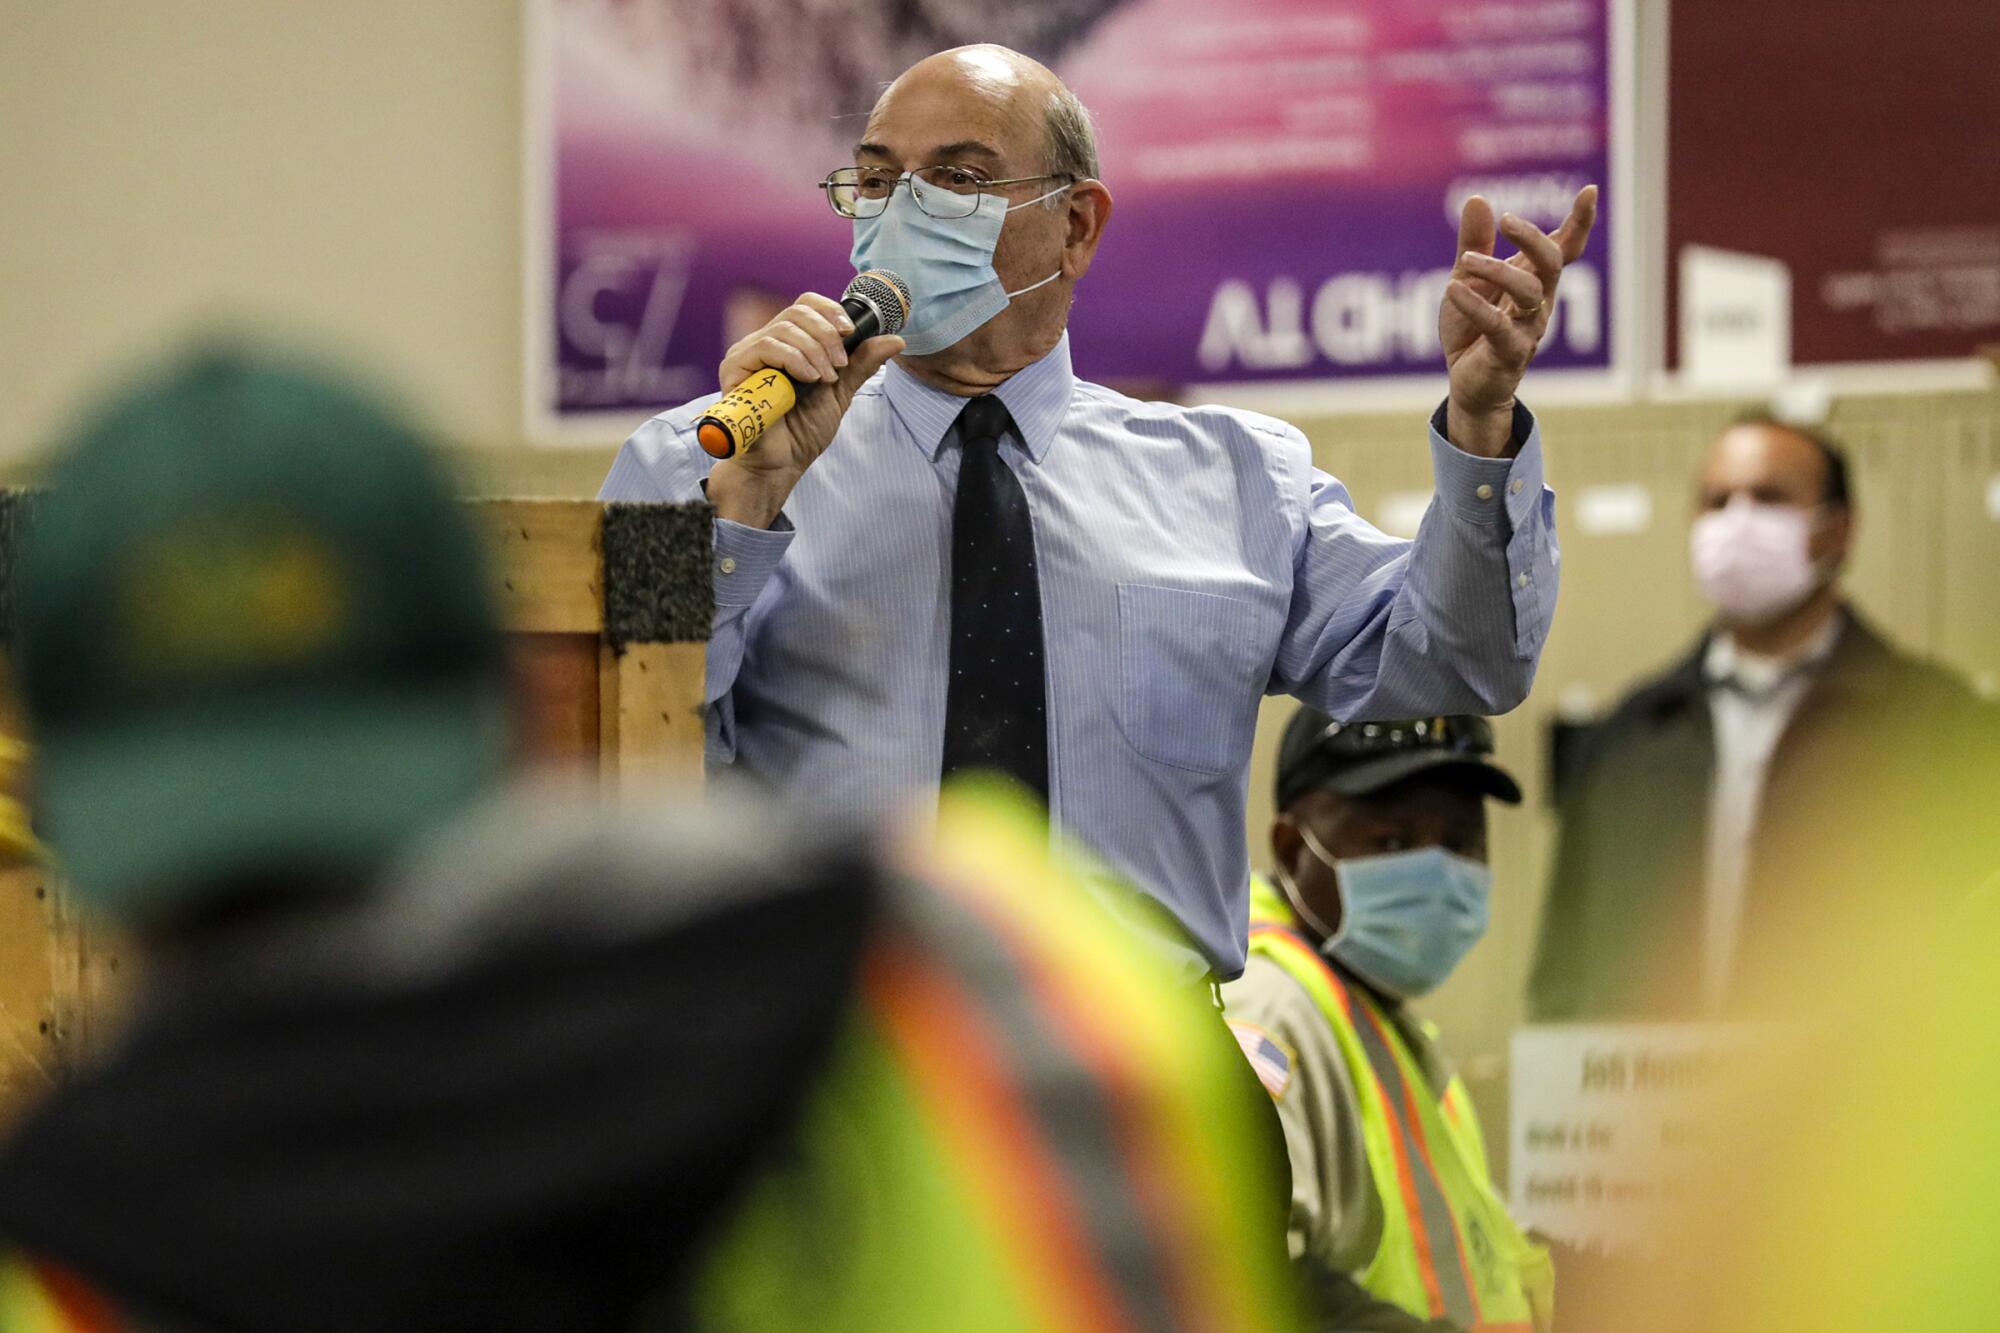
(943,192)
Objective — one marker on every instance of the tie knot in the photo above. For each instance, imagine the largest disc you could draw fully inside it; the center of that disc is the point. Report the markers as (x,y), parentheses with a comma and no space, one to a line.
(983,421)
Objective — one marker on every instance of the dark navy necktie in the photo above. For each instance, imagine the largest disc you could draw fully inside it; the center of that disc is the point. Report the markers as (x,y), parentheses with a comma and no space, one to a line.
(995,713)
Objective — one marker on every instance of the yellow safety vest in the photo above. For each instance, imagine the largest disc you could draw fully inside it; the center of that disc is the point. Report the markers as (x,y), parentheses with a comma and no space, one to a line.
(1022,1130)
(38,1297)
(1019,1132)
(1449,1249)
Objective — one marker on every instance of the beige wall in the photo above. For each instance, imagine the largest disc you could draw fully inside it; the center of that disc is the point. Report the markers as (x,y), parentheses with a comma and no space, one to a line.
(1926,569)
(350,167)
(354,167)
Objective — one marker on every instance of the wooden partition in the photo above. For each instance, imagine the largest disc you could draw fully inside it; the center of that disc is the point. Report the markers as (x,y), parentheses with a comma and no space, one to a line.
(607,609)
(612,671)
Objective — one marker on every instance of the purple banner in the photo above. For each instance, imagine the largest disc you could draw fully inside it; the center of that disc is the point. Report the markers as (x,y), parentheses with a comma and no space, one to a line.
(1286,174)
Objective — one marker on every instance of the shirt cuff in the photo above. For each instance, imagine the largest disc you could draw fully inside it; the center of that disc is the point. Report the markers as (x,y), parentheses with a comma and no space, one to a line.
(746,557)
(1490,490)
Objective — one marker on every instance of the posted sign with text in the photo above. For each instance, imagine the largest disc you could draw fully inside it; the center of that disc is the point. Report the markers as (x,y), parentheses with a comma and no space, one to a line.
(1286,175)
(1610,1123)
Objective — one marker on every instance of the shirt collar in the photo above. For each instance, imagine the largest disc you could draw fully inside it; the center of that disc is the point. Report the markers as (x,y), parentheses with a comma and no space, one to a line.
(1727,660)
(1036,396)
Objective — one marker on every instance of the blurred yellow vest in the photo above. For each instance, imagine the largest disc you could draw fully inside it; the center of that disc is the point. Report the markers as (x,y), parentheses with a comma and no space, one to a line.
(1018,1132)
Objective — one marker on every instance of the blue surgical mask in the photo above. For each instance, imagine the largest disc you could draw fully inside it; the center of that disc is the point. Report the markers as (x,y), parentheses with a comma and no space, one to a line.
(948,263)
(1407,918)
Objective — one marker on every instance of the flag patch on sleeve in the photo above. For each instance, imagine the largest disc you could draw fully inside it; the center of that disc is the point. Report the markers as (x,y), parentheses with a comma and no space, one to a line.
(1268,1058)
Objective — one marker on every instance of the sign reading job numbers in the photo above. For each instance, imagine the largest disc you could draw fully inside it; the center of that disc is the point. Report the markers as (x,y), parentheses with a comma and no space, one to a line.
(1610,1124)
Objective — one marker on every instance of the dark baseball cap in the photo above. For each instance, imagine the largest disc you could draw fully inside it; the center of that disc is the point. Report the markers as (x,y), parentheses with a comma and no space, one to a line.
(1359,758)
(253,635)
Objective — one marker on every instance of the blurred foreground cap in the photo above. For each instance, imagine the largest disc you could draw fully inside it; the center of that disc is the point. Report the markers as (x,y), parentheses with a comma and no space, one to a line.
(253,635)
(1359,758)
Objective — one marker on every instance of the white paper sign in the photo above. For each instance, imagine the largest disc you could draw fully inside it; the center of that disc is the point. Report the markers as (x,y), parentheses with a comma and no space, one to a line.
(1736,319)
(1608,1122)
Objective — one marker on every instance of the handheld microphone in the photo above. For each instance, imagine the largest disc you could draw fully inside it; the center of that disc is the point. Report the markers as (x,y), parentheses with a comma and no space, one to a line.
(877,301)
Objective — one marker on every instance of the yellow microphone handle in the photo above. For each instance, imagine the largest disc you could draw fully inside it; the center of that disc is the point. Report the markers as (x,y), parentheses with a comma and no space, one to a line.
(741,416)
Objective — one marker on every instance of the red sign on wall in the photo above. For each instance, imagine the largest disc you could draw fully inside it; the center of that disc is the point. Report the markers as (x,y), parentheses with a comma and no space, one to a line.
(1856,141)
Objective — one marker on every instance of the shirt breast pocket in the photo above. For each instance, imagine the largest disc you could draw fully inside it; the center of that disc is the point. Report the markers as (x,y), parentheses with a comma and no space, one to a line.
(1189,668)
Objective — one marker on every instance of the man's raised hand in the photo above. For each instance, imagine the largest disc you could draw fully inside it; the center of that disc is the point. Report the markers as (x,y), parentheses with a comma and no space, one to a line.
(1496,311)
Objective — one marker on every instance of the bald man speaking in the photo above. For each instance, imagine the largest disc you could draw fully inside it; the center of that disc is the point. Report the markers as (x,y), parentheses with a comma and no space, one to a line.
(953,554)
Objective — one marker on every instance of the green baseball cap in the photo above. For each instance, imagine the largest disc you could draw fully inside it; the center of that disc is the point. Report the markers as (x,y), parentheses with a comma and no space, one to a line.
(253,636)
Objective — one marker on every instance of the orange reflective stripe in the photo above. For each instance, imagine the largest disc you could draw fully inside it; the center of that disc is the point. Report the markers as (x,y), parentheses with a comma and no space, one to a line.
(1430,1165)
(81,1308)
(1157,1179)
(1406,1181)
(1154,1175)
(1290,941)
(1413,1209)
(953,1060)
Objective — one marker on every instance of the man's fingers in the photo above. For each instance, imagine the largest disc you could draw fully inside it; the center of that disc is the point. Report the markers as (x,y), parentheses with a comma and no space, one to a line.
(782,346)
(815,326)
(827,306)
(1523,286)
(825,320)
(813,342)
(1483,315)
(782,354)
(1466,273)
(870,357)
(1513,342)
(1475,226)
(1575,231)
(1543,255)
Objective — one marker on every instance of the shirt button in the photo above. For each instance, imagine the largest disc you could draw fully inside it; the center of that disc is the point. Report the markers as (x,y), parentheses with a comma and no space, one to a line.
(1515,488)
(729,564)
(1520,580)
(1484,492)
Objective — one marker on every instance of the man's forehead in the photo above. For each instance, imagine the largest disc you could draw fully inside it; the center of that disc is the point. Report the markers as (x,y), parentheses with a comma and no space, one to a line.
(1750,454)
(957,103)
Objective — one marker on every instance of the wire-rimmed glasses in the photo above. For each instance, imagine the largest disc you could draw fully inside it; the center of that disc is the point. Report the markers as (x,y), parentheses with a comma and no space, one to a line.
(942,191)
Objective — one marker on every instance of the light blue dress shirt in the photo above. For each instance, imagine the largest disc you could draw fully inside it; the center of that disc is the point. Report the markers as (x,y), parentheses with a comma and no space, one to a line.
(1191,561)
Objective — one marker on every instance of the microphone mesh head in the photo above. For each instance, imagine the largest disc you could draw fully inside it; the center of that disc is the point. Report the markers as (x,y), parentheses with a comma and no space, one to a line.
(889,294)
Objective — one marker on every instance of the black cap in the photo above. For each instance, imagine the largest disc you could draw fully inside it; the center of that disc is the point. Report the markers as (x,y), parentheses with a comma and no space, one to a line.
(1357,758)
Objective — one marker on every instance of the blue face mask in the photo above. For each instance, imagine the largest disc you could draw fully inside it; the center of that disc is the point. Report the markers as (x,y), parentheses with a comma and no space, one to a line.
(948,263)
(1407,918)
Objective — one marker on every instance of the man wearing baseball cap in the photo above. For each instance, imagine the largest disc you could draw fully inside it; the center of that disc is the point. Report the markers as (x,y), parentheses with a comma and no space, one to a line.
(420,1042)
(396,1056)
(1378,888)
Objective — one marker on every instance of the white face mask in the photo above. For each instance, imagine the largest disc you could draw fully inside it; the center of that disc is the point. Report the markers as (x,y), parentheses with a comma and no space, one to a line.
(1752,560)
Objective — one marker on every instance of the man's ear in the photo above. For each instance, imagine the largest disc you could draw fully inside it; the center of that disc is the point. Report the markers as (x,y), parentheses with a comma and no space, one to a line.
(1286,844)
(1089,211)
